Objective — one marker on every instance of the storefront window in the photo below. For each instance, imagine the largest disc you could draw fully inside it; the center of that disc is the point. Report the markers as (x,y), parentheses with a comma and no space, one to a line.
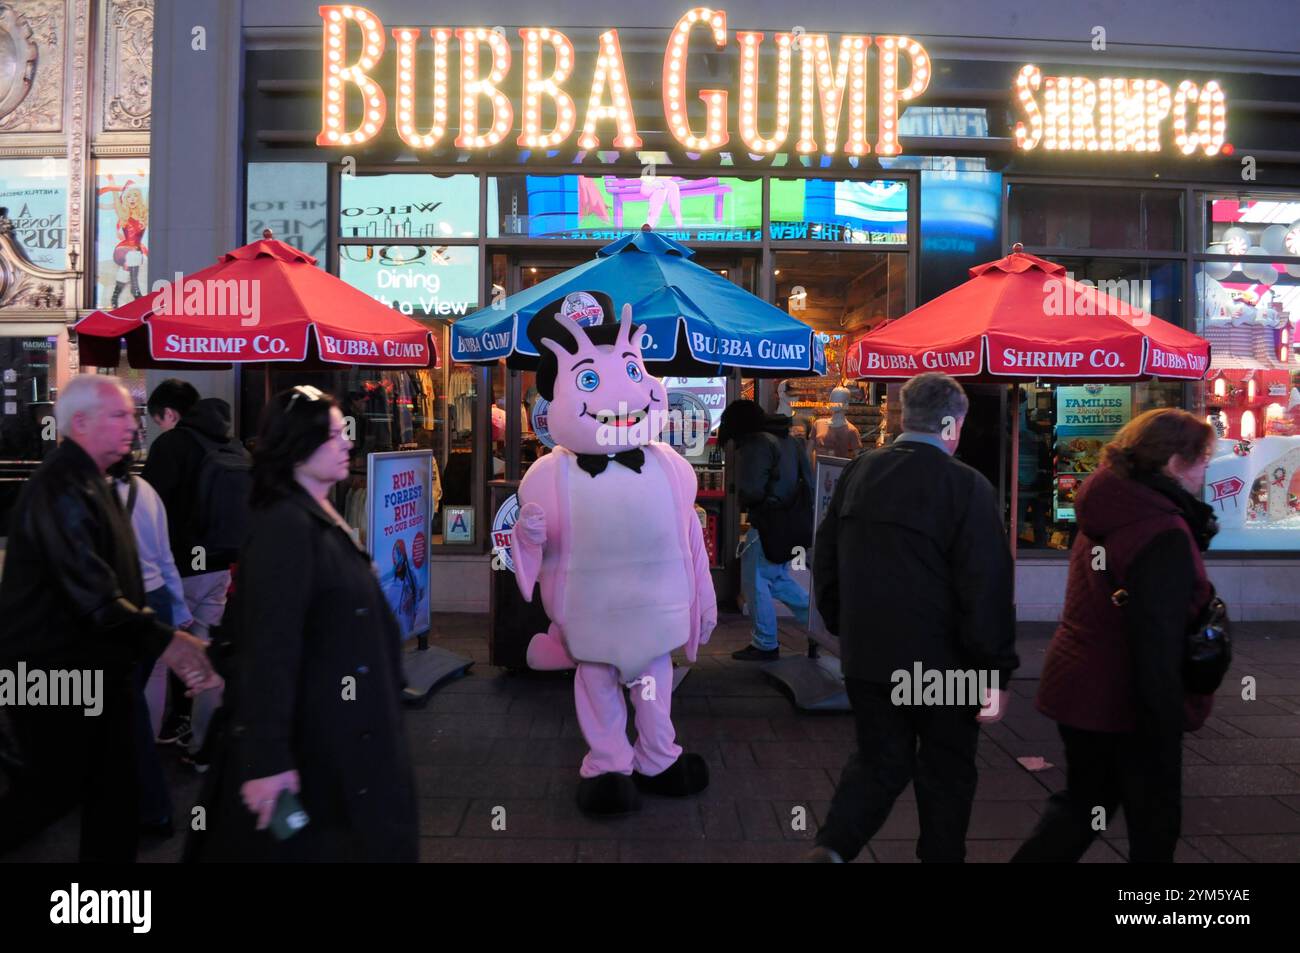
(27,404)
(1251,224)
(424,281)
(1075,216)
(849,212)
(121,231)
(408,205)
(26,376)
(607,207)
(1155,286)
(840,291)
(289,198)
(35,192)
(1248,312)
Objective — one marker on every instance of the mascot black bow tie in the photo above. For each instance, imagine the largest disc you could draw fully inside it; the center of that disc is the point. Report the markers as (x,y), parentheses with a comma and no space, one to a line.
(595,463)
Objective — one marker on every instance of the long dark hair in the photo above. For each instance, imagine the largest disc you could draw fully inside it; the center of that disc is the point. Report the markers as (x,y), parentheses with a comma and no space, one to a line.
(294,424)
(1142,448)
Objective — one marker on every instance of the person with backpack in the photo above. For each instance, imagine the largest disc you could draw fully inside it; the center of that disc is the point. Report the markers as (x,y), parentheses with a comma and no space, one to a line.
(774,483)
(204,476)
(166,597)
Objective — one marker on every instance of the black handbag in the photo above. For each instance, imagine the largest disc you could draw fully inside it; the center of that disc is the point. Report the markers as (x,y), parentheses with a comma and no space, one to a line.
(1207,652)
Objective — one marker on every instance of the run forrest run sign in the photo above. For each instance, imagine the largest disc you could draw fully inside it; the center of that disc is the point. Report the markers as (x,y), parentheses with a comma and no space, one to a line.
(1068,113)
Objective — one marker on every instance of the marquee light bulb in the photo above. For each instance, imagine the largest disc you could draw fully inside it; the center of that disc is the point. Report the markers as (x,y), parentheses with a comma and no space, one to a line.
(674,85)
(335,75)
(620,107)
(538,85)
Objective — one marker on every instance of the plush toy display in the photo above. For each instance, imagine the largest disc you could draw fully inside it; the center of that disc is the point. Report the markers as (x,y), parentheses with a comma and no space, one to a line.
(607,526)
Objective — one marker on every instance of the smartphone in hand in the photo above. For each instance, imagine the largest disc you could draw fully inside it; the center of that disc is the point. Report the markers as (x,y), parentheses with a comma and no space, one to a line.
(289,817)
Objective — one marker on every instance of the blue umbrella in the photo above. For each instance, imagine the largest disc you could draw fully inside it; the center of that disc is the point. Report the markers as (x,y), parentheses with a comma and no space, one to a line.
(697,322)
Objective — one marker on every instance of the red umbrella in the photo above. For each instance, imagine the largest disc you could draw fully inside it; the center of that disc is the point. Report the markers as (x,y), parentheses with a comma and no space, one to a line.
(266,301)
(1022,318)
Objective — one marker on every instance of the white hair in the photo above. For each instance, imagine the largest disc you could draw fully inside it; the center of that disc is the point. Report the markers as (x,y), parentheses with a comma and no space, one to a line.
(80,395)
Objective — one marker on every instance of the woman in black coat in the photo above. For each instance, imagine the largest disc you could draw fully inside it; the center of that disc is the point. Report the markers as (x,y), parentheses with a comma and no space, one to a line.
(313,701)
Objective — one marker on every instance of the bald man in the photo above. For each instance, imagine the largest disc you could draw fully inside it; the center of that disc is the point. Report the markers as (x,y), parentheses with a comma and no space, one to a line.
(75,625)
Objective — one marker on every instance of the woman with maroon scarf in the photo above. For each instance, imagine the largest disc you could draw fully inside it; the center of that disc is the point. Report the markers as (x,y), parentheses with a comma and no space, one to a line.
(1113,678)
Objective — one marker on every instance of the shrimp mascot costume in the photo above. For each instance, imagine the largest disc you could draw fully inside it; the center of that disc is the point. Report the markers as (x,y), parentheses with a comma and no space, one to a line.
(607,526)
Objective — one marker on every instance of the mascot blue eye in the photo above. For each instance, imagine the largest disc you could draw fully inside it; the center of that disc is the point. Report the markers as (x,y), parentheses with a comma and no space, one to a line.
(588,381)
(633,371)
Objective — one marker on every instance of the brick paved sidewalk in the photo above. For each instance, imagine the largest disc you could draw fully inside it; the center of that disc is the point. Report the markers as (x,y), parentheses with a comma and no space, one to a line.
(496,740)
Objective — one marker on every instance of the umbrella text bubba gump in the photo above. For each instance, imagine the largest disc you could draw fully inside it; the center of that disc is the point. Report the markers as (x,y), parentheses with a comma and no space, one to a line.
(930,360)
(704,345)
(830,82)
(359,347)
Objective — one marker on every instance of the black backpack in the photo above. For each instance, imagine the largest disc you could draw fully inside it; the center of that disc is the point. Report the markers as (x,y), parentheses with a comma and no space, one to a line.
(225,482)
(785,528)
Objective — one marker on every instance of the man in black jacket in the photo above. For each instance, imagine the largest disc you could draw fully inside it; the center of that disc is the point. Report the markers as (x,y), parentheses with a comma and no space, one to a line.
(72,600)
(912,570)
(190,427)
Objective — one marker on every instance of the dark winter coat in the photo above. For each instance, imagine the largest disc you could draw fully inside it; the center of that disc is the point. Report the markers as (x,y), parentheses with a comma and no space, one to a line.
(912,565)
(767,465)
(172,469)
(72,595)
(316,688)
(1120,670)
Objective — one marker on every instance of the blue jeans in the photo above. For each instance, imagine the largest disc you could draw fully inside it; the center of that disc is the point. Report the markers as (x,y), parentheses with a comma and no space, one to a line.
(763,581)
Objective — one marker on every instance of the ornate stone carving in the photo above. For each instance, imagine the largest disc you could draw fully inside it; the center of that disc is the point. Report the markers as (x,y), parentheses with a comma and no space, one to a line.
(31,66)
(128,65)
(26,286)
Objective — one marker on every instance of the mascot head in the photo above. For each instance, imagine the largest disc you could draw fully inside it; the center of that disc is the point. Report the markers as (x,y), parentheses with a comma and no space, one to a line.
(602,400)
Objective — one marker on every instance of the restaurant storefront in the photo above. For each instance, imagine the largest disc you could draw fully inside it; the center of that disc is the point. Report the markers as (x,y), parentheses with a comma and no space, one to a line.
(845,176)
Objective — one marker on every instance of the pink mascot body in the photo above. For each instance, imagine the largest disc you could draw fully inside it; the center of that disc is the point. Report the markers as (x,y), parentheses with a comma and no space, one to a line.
(607,526)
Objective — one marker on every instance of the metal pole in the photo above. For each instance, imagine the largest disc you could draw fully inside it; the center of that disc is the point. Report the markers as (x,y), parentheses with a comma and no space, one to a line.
(1015,466)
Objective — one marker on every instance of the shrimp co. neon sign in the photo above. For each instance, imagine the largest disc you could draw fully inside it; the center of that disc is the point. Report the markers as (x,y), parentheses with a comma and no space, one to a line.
(828,83)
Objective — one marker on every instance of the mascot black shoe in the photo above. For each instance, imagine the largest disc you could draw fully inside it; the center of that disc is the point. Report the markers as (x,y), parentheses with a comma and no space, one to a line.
(608,795)
(688,775)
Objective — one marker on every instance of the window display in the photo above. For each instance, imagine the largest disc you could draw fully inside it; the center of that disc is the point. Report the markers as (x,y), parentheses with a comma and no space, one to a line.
(607,207)
(1248,311)
(850,212)
(423,281)
(35,192)
(408,205)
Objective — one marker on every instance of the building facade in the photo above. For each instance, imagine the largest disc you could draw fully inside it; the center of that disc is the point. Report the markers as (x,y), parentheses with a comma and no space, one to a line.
(846,167)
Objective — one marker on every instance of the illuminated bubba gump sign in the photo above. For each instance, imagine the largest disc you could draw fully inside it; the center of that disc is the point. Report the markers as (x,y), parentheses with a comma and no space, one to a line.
(828,83)
(1075,113)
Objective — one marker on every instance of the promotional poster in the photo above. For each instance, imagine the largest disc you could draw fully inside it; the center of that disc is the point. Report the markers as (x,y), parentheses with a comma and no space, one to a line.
(400,510)
(1087,418)
(121,231)
(35,191)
